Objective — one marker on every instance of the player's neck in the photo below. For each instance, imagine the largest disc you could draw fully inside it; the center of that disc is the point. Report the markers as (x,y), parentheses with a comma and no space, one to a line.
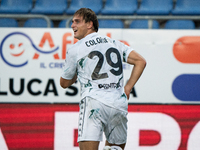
(89,32)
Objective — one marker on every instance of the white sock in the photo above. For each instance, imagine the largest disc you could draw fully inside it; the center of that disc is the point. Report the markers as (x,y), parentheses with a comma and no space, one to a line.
(116,148)
(107,148)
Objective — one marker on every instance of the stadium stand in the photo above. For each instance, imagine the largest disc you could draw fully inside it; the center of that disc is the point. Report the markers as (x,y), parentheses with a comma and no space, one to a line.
(8,22)
(144,24)
(63,23)
(15,6)
(187,7)
(36,23)
(116,7)
(155,7)
(179,24)
(109,23)
(58,11)
(55,7)
(96,5)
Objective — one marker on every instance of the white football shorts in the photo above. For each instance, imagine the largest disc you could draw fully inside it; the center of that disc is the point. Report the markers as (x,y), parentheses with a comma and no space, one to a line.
(96,118)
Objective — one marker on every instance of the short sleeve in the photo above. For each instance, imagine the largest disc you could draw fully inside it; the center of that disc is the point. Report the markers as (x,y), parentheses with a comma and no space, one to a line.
(69,67)
(125,50)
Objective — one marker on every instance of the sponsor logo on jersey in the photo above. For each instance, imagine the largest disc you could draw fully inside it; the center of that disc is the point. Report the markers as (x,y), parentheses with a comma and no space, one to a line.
(107,86)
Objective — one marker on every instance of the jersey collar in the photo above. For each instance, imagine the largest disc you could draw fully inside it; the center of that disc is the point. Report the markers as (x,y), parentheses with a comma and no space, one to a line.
(90,35)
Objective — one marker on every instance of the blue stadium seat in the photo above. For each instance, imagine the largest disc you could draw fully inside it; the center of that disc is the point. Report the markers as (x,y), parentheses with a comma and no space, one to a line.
(96,5)
(179,24)
(105,23)
(36,23)
(8,22)
(48,7)
(155,7)
(62,24)
(187,7)
(144,24)
(15,6)
(119,7)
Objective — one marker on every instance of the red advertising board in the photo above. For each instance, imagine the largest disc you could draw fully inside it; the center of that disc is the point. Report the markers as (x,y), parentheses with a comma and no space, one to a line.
(33,126)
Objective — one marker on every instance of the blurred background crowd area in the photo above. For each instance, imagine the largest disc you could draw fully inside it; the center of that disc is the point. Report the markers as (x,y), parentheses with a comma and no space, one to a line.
(136,14)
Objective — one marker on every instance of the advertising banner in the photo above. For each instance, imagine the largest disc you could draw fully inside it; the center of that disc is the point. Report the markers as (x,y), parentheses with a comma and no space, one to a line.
(55,127)
(31,62)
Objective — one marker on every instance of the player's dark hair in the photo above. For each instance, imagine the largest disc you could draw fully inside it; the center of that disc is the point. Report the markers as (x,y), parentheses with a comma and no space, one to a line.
(88,15)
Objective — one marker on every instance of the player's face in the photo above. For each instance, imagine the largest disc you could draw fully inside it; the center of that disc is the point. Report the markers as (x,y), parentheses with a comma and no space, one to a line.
(79,27)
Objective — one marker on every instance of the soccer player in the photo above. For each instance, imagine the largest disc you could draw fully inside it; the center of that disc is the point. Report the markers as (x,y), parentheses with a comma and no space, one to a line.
(96,61)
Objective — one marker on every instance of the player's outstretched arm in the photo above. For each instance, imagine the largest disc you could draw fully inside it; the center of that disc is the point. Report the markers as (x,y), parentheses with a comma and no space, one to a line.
(139,64)
(64,83)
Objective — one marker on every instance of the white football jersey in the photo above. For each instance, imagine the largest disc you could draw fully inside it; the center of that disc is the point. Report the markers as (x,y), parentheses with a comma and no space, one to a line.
(97,60)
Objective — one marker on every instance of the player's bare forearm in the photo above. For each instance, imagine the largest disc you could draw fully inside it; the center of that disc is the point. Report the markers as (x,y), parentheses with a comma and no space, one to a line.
(64,83)
(139,64)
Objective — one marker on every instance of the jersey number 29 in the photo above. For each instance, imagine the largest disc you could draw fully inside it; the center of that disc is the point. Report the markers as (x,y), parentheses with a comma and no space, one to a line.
(96,75)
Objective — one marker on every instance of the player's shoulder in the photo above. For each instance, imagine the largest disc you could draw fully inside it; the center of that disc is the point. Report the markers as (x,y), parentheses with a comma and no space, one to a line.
(72,51)
(75,46)
(112,40)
